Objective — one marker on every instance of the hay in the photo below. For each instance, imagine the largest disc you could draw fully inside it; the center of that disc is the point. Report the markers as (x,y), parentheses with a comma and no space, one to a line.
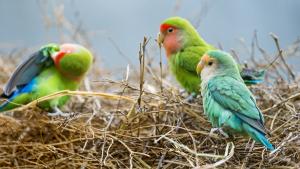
(150,128)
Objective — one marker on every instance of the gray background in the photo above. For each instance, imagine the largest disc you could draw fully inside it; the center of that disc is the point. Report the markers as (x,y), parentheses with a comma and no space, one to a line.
(225,22)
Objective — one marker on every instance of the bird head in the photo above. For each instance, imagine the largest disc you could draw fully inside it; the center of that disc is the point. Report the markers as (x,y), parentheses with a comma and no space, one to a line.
(72,60)
(175,34)
(216,62)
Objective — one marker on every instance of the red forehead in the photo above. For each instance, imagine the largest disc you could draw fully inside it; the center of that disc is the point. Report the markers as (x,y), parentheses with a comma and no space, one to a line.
(64,49)
(67,48)
(59,56)
(164,27)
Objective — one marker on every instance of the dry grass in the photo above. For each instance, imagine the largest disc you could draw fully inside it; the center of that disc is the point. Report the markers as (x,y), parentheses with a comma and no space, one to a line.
(149,128)
(152,126)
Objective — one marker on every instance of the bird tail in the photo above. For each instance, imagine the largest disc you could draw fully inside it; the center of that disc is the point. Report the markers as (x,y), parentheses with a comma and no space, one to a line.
(252,76)
(259,137)
(263,140)
(4,106)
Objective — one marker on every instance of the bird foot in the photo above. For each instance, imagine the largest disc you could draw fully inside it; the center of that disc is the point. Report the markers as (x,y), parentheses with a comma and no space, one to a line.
(212,131)
(182,91)
(220,131)
(191,98)
(58,112)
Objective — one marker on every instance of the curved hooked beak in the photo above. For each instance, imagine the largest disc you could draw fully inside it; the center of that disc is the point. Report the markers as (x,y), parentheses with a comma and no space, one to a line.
(200,66)
(204,59)
(160,39)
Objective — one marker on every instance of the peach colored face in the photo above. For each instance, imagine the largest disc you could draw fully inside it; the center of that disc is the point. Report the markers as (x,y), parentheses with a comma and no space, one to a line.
(169,37)
(206,60)
(64,49)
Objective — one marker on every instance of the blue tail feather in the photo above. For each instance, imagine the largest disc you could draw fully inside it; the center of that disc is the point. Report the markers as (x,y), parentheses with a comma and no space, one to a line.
(258,136)
(26,89)
(263,140)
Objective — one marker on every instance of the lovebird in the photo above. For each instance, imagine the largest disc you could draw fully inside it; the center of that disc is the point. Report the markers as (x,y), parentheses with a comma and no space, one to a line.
(227,102)
(51,69)
(184,48)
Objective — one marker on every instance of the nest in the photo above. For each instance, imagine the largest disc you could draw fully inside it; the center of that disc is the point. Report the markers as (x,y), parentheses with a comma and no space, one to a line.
(153,128)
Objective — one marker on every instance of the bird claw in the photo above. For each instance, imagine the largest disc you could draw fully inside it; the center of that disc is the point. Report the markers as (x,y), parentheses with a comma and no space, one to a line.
(58,112)
(212,130)
(191,98)
(220,131)
(223,133)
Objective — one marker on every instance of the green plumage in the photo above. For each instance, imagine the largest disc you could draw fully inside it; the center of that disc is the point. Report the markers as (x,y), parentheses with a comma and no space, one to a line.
(227,101)
(183,63)
(183,66)
(66,74)
(49,81)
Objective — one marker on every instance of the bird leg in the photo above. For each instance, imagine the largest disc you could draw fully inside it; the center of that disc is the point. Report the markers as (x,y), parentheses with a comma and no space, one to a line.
(212,131)
(58,112)
(182,92)
(220,131)
(191,98)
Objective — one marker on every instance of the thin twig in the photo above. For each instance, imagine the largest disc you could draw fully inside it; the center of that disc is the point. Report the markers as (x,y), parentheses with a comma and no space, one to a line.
(192,152)
(142,68)
(281,102)
(280,52)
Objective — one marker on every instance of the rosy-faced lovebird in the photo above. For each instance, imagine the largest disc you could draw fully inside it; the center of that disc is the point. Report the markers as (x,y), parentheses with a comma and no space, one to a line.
(227,101)
(51,69)
(184,48)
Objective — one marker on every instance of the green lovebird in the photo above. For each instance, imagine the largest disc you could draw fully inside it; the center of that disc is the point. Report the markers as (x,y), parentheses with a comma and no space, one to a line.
(184,48)
(227,101)
(51,69)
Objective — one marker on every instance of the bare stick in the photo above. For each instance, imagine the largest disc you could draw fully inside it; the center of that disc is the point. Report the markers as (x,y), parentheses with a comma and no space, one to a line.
(72,93)
(272,62)
(218,163)
(285,141)
(280,52)
(161,72)
(142,68)
(265,54)
(193,152)
(283,101)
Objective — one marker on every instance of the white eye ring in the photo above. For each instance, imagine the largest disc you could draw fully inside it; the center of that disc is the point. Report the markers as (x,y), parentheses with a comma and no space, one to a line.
(170,30)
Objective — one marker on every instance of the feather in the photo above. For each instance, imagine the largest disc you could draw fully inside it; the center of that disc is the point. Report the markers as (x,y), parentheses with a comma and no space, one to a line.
(234,96)
(27,70)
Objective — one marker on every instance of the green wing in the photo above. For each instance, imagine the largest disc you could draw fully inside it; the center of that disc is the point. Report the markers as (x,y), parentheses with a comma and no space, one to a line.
(183,65)
(232,95)
(190,57)
(30,68)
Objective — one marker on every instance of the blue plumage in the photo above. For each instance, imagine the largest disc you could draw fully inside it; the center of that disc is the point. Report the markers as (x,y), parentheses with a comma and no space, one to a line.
(21,90)
(227,101)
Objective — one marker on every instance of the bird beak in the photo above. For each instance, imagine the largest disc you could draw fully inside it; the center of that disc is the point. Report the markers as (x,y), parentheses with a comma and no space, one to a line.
(160,39)
(204,59)
(200,66)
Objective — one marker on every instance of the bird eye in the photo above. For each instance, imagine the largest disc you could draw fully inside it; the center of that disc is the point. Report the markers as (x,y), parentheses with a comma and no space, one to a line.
(170,30)
(210,63)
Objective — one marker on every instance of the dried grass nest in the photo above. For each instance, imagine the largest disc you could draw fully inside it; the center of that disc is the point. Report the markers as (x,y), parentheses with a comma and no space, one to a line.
(162,131)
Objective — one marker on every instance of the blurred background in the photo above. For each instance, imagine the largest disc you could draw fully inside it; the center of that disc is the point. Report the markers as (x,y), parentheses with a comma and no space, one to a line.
(113,29)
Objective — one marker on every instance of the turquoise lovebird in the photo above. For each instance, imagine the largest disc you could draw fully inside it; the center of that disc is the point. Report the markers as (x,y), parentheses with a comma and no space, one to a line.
(227,102)
(184,47)
(51,69)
